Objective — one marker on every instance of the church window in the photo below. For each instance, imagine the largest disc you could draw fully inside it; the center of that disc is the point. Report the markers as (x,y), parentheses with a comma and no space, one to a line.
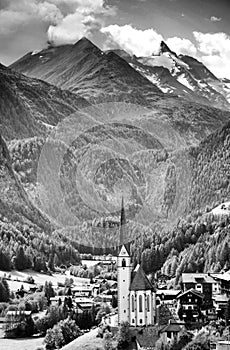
(133,303)
(141,320)
(123,263)
(133,321)
(140,303)
(148,303)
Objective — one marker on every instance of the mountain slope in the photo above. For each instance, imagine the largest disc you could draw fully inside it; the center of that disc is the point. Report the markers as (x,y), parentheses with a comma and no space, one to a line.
(85,69)
(30,107)
(181,75)
(14,202)
(210,162)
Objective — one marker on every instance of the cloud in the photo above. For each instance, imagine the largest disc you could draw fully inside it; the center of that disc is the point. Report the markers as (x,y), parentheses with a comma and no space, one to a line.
(144,42)
(86,17)
(215,52)
(18,14)
(182,46)
(213,49)
(215,19)
(134,41)
(64,20)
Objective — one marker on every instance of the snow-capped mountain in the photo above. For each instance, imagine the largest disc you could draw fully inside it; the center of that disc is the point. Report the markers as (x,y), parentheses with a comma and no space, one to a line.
(181,75)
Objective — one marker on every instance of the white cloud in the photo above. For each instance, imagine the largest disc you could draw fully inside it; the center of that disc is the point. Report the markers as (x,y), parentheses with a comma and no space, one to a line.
(144,42)
(87,17)
(215,19)
(182,46)
(20,13)
(215,52)
(134,41)
(66,20)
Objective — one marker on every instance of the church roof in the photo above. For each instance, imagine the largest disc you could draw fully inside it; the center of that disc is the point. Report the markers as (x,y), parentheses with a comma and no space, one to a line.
(140,281)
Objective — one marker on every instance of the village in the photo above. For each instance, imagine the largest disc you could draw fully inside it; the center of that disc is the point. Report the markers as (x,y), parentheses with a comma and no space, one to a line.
(152,311)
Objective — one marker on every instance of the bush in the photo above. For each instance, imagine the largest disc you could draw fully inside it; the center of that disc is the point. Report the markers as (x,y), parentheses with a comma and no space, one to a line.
(61,334)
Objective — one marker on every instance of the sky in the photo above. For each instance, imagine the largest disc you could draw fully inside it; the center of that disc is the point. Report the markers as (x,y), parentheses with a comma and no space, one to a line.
(199,28)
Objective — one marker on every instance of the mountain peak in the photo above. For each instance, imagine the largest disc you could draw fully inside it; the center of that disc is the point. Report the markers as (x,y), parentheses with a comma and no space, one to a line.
(85,43)
(164,48)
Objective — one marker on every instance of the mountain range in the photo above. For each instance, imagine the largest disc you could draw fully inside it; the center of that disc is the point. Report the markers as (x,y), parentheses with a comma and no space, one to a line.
(138,126)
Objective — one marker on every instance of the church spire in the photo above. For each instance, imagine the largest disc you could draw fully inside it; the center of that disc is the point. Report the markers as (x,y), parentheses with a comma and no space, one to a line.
(122,223)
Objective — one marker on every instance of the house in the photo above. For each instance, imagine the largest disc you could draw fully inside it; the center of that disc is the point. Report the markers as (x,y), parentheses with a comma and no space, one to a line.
(203,283)
(167,296)
(171,331)
(223,279)
(189,305)
(18,323)
(220,304)
(84,303)
(85,290)
(223,345)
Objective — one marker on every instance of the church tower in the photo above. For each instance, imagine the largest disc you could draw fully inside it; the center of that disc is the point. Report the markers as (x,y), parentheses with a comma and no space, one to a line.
(123,272)
(124,279)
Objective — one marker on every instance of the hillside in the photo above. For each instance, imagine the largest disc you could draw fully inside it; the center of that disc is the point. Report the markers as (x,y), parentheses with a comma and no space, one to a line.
(31,107)
(211,170)
(14,202)
(98,154)
(25,231)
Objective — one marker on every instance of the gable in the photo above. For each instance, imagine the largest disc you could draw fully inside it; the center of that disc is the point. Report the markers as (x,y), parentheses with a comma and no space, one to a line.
(123,251)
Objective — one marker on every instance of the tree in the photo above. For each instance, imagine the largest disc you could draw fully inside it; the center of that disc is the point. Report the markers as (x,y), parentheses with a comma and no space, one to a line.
(48,290)
(183,339)
(61,334)
(123,336)
(227,313)
(4,290)
(51,262)
(114,301)
(20,261)
(108,341)
(161,345)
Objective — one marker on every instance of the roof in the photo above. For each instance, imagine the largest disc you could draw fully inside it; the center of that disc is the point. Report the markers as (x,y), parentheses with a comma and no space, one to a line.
(221,298)
(171,327)
(222,276)
(82,288)
(193,291)
(147,337)
(140,281)
(171,292)
(197,278)
(18,313)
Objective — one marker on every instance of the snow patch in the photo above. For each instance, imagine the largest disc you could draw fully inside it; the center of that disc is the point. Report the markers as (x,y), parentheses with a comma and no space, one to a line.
(157,61)
(35,52)
(222,209)
(184,81)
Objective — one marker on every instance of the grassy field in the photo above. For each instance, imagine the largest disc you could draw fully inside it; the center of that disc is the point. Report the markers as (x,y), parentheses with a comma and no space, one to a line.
(88,341)
(22,344)
(39,278)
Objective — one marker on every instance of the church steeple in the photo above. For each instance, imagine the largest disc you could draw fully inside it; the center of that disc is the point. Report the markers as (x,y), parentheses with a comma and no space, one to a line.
(122,223)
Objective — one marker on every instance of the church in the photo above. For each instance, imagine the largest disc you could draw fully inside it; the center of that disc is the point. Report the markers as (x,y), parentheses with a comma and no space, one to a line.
(136,295)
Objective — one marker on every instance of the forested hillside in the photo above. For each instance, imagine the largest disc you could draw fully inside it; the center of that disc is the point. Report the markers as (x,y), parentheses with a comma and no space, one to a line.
(210,162)
(202,241)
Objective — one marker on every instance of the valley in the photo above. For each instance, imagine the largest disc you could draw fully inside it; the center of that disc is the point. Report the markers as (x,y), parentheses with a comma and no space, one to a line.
(84,131)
